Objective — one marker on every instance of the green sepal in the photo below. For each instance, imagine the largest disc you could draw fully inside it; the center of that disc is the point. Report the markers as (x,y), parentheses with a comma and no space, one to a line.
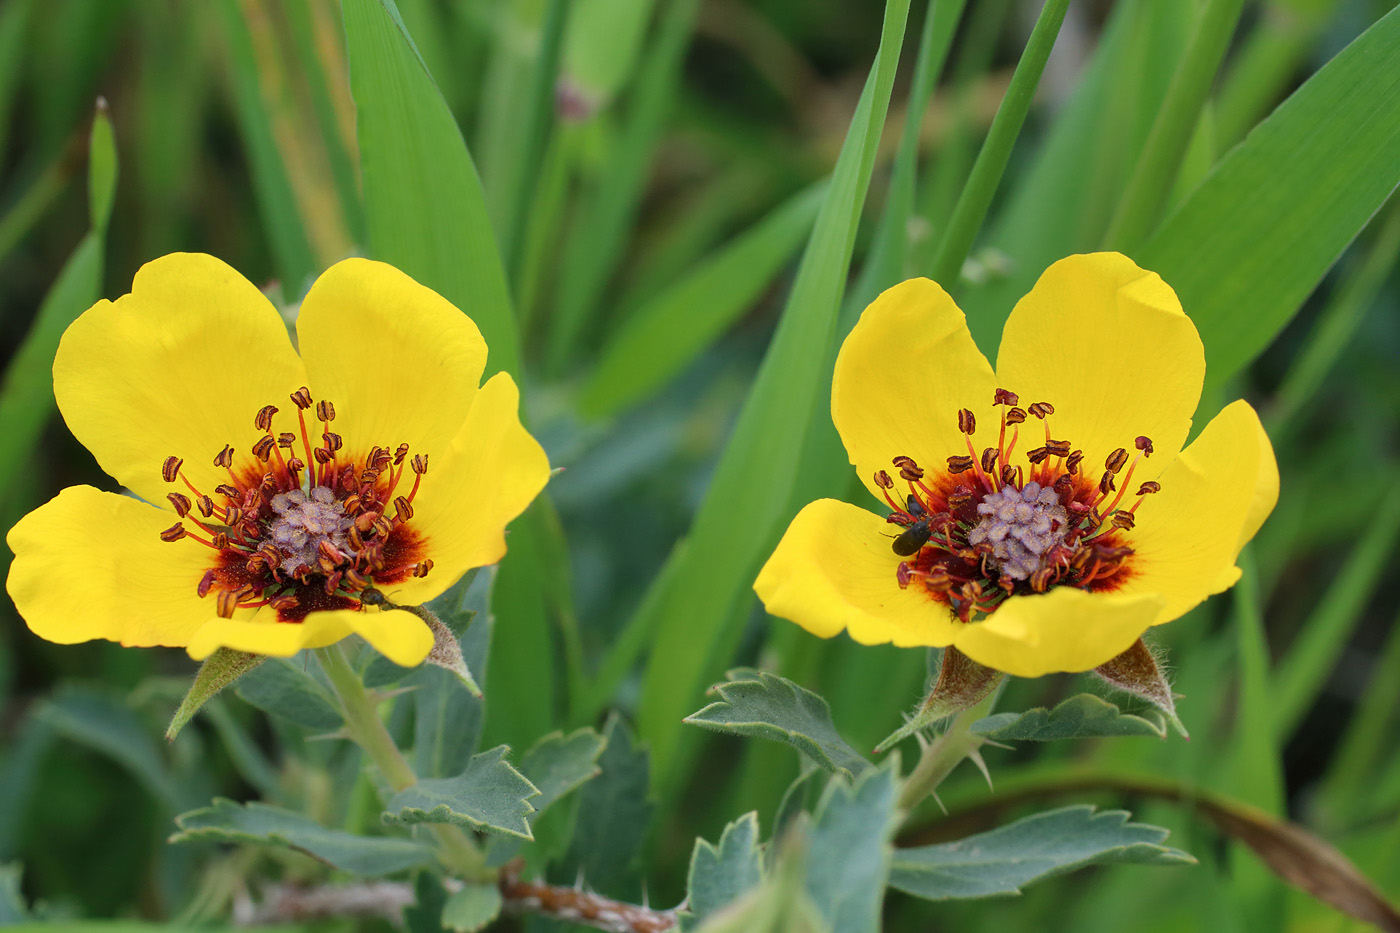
(1137,672)
(219,670)
(962,683)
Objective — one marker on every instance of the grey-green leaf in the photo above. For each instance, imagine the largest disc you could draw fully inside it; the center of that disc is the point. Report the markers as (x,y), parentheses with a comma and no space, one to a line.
(757,703)
(258,823)
(472,908)
(1079,717)
(614,812)
(490,795)
(1003,860)
(848,857)
(286,688)
(559,763)
(721,874)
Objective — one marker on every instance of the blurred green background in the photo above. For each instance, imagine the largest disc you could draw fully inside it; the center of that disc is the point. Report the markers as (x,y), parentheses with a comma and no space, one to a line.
(651,172)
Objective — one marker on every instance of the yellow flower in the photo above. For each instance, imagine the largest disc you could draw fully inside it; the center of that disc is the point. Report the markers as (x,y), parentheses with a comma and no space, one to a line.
(278,487)
(1044,515)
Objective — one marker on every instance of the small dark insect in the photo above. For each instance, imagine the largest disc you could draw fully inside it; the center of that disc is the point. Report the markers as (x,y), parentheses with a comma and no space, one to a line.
(914,536)
(369,596)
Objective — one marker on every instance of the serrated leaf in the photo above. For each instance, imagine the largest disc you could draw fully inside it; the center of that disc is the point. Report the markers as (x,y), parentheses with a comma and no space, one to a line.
(1003,860)
(556,765)
(780,904)
(614,812)
(490,795)
(1079,717)
(848,855)
(372,856)
(793,804)
(721,874)
(219,670)
(471,908)
(284,687)
(757,703)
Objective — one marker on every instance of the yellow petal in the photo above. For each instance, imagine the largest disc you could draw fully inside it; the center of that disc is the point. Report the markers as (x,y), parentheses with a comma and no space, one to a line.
(1062,630)
(1188,535)
(178,367)
(907,367)
(399,636)
(834,570)
(491,471)
(1108,345)
(400,363)
(90,564)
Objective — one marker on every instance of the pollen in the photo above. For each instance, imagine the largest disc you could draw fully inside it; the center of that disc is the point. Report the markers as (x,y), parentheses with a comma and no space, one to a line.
(300,535)
(1003,522)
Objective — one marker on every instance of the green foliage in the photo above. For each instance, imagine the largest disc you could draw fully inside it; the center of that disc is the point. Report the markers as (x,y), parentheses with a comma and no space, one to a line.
(613,815)
(13,909)
(721,874)
(848,856)
(472,908)
(764,705)
(489,795)
(219,670)
(1082,716)
(1004,860)
(260,824)
(287,688)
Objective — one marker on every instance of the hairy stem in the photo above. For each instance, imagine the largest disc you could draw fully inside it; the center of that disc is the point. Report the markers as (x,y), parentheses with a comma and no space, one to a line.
(943,754)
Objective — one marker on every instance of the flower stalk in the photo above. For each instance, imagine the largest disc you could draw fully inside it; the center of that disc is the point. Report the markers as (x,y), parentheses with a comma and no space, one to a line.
(945,753)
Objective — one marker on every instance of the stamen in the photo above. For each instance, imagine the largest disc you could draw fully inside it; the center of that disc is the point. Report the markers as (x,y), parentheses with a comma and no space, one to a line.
(181,504)
(1144,444)
(263,420)
(325,410)
(225,457)
(264,447)
(1116,460)
(1041,410)
(302,398)
(960,464)
(422,567)
(1073,461)
(174,533)
(170,469)
(1149,487)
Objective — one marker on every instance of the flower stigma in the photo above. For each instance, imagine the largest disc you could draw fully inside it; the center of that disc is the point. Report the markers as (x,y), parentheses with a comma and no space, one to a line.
(986,528)
(300,533)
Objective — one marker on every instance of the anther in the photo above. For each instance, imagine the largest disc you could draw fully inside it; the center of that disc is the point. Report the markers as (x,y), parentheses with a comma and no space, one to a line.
(225,457)
(403,508)
(325,411)
(286,440)
(1040,580)
(365,521)
(302,398)
(967,421)
(419,463)
(181,504)
(228,600)
(264,447)
(220,541)
(229,492)
(1008,475)
(1037,455)
(1058,448)
(960,499)
(989,459)
(1106,484)
(1144,444)
(283,602)
(263,420)
(400,453)
(908,468)
(205,505)
(1041,410)
(422,567)
(333,441)
(902,575)
(959,464)
(170,469)
(205,582)
(1015,415)
(1123,520)
(882,479)
(322,455)
(295,465)
(1149,487)
(233,515)
(1075,458)
(329,552)
(1064,484)
(1116,460)
(174,533)
(1004,397)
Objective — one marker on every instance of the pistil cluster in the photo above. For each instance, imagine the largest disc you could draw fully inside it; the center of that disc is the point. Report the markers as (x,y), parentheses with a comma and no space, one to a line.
(986,528)
(301,527)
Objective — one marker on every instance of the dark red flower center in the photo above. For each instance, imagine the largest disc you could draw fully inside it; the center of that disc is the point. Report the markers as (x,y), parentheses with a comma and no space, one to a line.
(985,528)
(302,534)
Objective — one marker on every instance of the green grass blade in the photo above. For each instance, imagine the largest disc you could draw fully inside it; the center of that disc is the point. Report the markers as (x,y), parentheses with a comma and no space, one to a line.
(695,618)
(291,250)
(13,17)
(677,325)
(1160,160)
(1324,635)
(1254,765)
(1257,236)
(604,218)
(982,184)
(26,394)
(424,207)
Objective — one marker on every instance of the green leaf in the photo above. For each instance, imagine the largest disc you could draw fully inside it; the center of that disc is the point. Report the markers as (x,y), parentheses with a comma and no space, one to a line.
(698,617)
(721,874)
(424,206)
(102,168)
(429,899)
(490,795)
(13,909)
(472,908)
(219,670)
(1003,860)
(261,824)
(795,801)
(1256,237)
(764,705)
(605,37)
(848,856)
(284,687)
(671,329)
(1079,717)
(557,764)
(613,815)
(962,683)
(107,725)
